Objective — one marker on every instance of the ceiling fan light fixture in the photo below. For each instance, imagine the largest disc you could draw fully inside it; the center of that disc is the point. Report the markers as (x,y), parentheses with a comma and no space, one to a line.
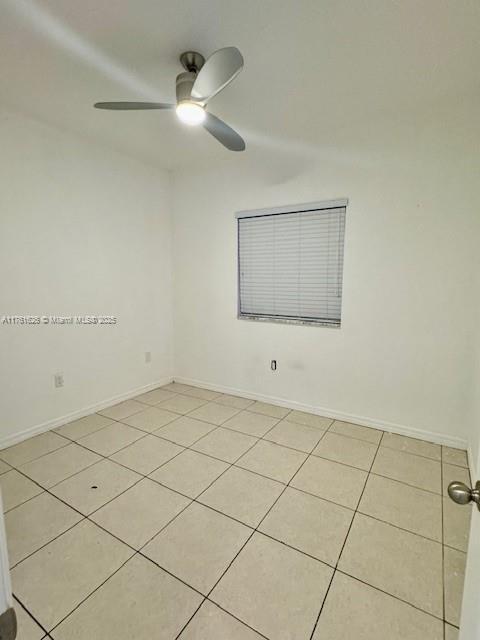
(190,113)
(194,88)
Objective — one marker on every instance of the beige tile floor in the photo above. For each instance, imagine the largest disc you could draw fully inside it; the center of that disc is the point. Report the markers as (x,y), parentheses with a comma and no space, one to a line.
(185,513)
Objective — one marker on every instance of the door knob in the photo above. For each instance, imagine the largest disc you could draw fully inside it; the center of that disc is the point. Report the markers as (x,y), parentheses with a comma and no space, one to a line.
(462,494)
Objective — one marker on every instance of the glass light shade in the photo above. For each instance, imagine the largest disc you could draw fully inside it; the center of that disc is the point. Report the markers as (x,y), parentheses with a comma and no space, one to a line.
(190,113)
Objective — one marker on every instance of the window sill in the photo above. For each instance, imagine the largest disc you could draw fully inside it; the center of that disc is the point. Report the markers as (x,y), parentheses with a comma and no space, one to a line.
(333,324)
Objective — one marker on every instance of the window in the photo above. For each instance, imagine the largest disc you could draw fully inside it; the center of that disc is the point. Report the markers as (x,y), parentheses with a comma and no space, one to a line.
(290,263)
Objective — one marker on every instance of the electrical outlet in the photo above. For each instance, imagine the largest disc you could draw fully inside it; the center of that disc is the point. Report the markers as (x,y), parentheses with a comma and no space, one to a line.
(273,365)
(148,356)
(58,379)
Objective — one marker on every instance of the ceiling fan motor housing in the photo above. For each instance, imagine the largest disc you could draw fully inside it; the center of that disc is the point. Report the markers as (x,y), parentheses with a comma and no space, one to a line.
(184,86)
(192,61)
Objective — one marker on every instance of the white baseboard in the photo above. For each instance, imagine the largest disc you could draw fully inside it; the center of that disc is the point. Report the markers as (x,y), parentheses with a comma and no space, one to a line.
(392,427)
(421,434)
(15,438)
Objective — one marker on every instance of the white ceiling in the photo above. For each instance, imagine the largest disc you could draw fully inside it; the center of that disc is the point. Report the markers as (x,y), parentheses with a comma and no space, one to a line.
(311,66)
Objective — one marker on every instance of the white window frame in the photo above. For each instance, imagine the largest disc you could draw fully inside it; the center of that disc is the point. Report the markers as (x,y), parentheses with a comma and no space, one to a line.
(297,208)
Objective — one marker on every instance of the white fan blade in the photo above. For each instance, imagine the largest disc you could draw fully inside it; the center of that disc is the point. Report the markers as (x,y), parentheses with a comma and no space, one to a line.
(219,70)
(132,106)
(223,133)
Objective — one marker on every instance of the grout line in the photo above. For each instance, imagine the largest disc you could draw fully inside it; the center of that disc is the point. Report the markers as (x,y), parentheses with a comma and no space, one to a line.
(182,396)
(396,526)
(135,553)
(443,545)
(71,475)
(188,392)
(20,604)
(385,446)
(412,453)
(63,435)
(157,434)
(27,499)
(237,411)
(146,433)
(139,551)
(196,500)
(390,594)
(268,415)
(231,464)
(319,497)
(150,404)
(345,539)
(406,484)
(290,546)
(449,546)
(87,517)
(323,602)
(144,476)
(255,530)
(224,472)
(428,613)
(91,593)
(458,466)
(345,464)
(414,486)
(102,411)
(217,426)
(215,604)
(103,458)
(14,566)
(177,393)
(348,435)
(67,442)
(360,499)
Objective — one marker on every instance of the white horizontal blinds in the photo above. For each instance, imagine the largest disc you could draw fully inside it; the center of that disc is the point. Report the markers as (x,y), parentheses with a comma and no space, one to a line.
(290,264)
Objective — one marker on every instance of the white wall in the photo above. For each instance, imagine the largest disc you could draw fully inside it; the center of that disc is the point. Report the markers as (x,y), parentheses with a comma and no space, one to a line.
(402,356)
(83,231)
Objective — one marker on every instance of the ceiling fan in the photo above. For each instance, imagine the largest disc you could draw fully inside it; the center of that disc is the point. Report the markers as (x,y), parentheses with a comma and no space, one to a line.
(200,82)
